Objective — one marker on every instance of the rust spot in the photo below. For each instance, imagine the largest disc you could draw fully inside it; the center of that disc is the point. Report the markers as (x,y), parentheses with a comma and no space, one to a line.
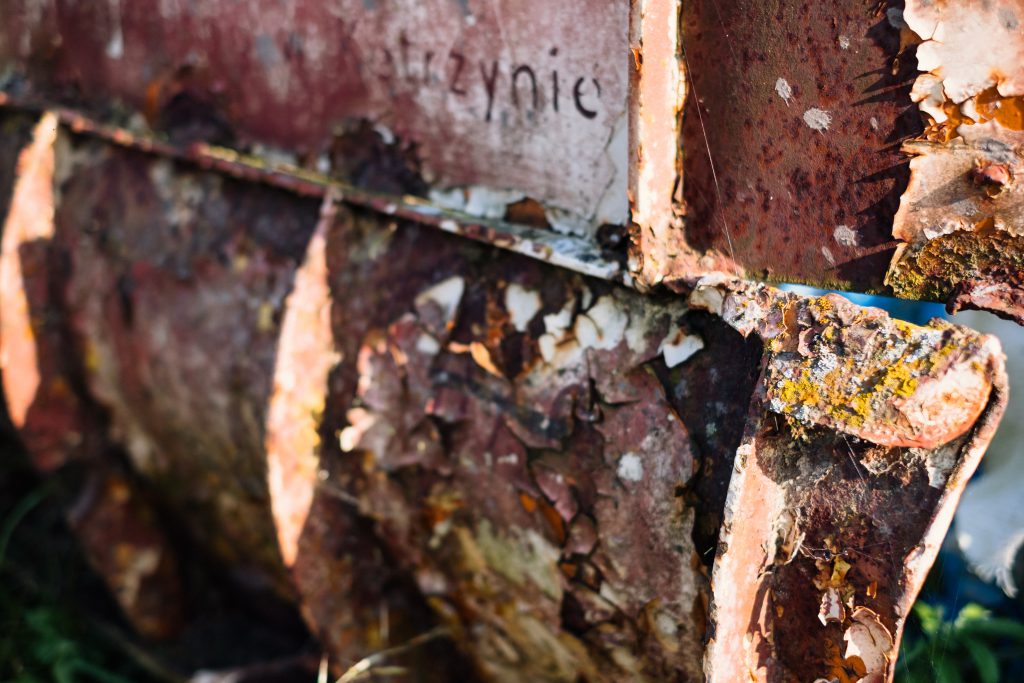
(528,502)
(1007,111)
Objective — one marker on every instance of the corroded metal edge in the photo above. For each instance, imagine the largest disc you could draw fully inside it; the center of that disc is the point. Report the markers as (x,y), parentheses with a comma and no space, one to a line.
(565,251)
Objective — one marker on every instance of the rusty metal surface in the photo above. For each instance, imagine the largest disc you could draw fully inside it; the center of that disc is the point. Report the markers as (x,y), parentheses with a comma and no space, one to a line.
(61,427)
(566,251)
(660,251)
(796,128)
(411,434)
(791,131)
(533,461)
(789,161)
(544,85)
(529,494)
(180,285)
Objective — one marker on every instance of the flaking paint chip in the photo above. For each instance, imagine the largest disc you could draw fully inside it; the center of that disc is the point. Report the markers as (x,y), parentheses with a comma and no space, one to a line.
(631,468)
(522,304)
(784,90)
(845,236)
(817,119)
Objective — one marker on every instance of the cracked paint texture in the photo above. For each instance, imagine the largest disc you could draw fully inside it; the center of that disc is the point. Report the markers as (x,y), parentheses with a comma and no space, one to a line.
(395,429)
(539,468)
(543,464)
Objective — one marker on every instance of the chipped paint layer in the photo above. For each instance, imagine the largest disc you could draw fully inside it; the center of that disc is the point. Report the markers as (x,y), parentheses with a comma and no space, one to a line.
(496,445)
(960,219)
(817,119)
(768,129)
(857,371)
(533,425)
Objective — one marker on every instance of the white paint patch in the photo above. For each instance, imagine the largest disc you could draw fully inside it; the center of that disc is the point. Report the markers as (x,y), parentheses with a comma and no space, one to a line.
(609,321)
(387,136)
(867,638)
(567,222)
(939,462)
(348,439)
(452,198)
(930,94)
(547,344)
(784,90)
(667,626)
(932,231)
(845,236)
(586,298)
(614,204)
(486,202)
(427,345)
(631,468)
(827,253)
(115,46)
(817,119)
(874,123)
(586,332)
(844,42)
(556,324)
(707,298)
(677,347)
(522,304)
(447,294)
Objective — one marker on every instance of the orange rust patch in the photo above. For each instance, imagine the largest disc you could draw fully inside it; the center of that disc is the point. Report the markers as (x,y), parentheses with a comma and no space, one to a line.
(554,520)
(528,502)
(1007,111)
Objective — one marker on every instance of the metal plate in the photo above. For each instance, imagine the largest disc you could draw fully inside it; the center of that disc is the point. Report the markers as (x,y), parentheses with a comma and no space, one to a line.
(801,109)
(520,96)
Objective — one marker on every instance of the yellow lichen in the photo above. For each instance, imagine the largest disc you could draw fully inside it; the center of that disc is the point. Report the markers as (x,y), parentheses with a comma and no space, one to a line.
(800,392)
(900,379)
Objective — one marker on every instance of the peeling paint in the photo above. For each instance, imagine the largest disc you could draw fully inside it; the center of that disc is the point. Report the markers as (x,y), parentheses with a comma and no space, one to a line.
(817,119)
(631,468)
(533,491)
(845,236)
(783,90)
(895,384)
(678,347)
(959,220)
(522,304)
